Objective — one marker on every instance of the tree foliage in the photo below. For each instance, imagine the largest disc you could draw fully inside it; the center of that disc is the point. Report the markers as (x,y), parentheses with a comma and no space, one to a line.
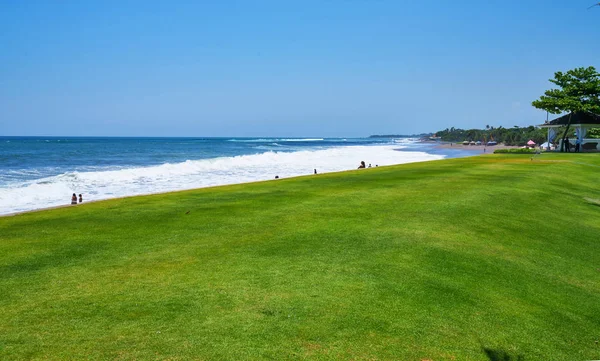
(579,91)
(593,133)
(509,136)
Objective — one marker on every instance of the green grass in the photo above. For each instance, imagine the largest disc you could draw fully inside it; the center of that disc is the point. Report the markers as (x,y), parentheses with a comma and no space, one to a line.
(516,151)
(483,258)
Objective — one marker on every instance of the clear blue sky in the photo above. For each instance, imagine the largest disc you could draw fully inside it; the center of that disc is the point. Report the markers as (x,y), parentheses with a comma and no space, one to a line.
(283,68)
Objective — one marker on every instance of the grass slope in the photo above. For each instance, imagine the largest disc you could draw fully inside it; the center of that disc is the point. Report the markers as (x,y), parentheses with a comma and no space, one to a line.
(483,258)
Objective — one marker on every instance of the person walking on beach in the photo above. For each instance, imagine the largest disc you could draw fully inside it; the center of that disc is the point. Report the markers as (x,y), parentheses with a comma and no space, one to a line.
(567,145)
(74,199)
(80,198)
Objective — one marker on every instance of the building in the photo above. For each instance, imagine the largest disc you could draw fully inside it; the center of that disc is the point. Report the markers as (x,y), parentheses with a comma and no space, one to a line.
(580,122)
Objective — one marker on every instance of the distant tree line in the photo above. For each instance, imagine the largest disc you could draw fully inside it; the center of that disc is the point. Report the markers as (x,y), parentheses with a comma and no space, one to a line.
(509,136)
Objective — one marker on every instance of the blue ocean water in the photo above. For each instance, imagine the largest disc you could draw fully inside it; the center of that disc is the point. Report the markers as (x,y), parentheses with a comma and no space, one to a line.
(39,172)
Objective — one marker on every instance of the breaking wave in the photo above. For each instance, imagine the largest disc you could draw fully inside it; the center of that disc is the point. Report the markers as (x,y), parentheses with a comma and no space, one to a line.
(111,183)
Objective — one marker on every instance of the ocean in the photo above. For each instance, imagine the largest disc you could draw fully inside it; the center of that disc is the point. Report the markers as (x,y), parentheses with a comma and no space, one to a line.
(41,172)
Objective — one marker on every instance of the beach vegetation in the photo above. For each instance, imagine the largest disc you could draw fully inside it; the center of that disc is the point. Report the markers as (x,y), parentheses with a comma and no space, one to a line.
(593,133)
(479,258)
(515,151)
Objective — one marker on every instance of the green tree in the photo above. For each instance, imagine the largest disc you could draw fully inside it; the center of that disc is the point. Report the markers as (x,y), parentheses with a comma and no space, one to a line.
(579,91)
(594,133)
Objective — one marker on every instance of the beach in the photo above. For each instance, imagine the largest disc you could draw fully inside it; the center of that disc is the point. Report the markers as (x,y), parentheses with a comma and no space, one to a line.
(105,168)
(480,148)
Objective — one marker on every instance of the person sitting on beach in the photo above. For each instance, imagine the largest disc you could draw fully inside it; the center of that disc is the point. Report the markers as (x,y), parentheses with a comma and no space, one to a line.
(362,165)
(74,199)
(80,198)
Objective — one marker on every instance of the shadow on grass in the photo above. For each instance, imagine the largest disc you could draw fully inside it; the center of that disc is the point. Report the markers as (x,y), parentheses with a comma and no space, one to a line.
(57,258)
(501,355)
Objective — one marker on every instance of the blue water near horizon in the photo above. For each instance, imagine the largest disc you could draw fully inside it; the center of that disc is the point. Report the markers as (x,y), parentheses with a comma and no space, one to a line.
(54,155)
(38,171)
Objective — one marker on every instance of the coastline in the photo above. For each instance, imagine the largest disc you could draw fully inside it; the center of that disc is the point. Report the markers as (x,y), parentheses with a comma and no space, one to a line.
(446,150)
(66,205)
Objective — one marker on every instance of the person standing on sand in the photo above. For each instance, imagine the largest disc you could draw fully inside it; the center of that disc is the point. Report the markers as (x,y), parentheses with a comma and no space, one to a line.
(74,199)
(80,198)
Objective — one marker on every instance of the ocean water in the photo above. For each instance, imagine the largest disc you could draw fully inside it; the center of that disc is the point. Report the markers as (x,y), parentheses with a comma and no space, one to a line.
(40,172)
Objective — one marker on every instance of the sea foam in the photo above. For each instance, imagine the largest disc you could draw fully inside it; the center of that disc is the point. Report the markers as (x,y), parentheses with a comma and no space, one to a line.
(105,184)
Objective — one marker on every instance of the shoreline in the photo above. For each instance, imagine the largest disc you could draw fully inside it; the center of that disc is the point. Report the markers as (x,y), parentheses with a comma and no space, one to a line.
(472,149)
(12,214)
(189,189)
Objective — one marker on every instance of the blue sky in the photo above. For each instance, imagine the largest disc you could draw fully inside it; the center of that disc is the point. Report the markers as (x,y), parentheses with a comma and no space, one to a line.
(283,68)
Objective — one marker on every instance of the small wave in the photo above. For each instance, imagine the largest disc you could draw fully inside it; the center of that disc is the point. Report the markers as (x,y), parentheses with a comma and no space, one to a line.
(406,140)
(265,140)
(258,140)
(302,140)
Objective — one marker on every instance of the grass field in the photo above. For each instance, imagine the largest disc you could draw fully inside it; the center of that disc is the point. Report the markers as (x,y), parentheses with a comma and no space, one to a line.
(484,258)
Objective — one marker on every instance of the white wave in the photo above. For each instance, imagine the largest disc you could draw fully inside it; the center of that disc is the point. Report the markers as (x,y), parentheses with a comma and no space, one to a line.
(104,184)
(259,140)
(406,140)
(264,140)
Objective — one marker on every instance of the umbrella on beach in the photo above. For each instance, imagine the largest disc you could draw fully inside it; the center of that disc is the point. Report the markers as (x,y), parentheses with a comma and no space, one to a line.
(531,142)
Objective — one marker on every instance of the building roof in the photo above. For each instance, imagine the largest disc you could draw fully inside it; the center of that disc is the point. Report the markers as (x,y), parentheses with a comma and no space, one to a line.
(583,118)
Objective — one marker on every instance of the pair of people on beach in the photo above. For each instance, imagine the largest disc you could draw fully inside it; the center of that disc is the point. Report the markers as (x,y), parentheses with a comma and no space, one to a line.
(363,165)
(74,198)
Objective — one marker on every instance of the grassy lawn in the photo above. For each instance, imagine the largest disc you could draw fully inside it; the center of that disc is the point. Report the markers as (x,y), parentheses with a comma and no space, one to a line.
(484,258)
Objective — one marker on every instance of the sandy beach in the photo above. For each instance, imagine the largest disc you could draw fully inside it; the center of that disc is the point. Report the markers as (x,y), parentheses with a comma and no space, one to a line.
(482,148)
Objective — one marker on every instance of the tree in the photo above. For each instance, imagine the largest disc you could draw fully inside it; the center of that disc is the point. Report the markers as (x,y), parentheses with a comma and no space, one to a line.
(579,91)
